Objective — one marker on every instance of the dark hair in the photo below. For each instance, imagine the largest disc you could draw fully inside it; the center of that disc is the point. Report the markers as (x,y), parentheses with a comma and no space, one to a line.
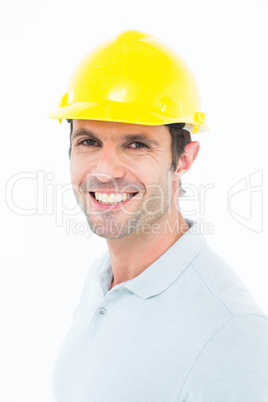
(179,139)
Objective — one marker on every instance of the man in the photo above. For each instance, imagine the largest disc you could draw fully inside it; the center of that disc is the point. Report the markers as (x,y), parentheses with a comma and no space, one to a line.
(162,317)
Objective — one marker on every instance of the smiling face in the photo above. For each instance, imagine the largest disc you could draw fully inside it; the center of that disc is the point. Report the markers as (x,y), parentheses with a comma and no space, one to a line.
(121,175)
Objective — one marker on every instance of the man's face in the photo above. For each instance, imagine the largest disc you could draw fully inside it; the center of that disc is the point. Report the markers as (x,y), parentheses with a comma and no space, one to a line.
(121,175)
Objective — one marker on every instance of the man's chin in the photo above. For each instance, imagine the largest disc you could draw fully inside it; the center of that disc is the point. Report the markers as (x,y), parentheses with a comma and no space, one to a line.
(109,229)
(109,235)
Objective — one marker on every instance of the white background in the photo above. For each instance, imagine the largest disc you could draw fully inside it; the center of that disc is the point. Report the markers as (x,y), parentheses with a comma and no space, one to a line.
(43,262)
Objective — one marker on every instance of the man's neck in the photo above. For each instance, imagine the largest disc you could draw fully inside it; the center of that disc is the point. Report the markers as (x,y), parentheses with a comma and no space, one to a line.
(132,254)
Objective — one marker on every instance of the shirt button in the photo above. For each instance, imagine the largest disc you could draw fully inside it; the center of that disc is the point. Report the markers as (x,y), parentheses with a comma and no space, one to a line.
(102,311)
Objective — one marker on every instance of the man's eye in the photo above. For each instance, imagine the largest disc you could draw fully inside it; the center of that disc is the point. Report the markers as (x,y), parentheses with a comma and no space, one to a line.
(137,145)
(88,142)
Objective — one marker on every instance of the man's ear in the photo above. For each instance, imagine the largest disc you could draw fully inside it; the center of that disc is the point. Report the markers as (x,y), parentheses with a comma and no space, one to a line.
(187,158)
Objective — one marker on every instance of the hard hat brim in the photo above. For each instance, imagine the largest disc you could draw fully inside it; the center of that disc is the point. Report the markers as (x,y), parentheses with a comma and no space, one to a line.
(122,113)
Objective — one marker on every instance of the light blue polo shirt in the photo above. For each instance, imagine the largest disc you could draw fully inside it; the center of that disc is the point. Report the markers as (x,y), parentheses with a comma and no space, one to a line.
(185,330)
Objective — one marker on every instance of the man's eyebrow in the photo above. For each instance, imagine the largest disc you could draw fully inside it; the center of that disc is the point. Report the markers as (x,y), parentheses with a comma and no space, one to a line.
(139,137)
(83,131)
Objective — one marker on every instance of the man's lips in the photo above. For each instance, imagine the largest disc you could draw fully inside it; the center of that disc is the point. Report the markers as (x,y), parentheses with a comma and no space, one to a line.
(111,199)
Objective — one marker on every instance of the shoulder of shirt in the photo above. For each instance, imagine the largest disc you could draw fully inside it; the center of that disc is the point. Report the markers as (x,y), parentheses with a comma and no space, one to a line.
(238,347)
(223,283)
(233,363)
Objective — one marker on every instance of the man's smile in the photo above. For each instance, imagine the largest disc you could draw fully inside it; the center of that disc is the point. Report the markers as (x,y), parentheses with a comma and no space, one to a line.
(111,198)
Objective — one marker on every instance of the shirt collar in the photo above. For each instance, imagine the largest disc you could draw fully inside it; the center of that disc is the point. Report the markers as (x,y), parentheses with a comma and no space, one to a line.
(164,271)
(167,268)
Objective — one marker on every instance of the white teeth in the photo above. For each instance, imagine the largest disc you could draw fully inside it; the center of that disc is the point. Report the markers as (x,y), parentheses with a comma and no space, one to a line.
(118,198)
(104,198)
(112,198)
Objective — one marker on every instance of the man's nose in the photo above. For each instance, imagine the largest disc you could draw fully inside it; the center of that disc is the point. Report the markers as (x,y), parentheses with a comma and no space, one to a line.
(108,166)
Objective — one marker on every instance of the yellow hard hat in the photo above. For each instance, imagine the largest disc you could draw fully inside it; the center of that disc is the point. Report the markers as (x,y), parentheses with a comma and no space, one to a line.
(133,78)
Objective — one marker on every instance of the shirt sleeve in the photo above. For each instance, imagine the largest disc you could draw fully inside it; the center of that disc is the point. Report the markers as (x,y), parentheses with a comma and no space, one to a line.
(233,365)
